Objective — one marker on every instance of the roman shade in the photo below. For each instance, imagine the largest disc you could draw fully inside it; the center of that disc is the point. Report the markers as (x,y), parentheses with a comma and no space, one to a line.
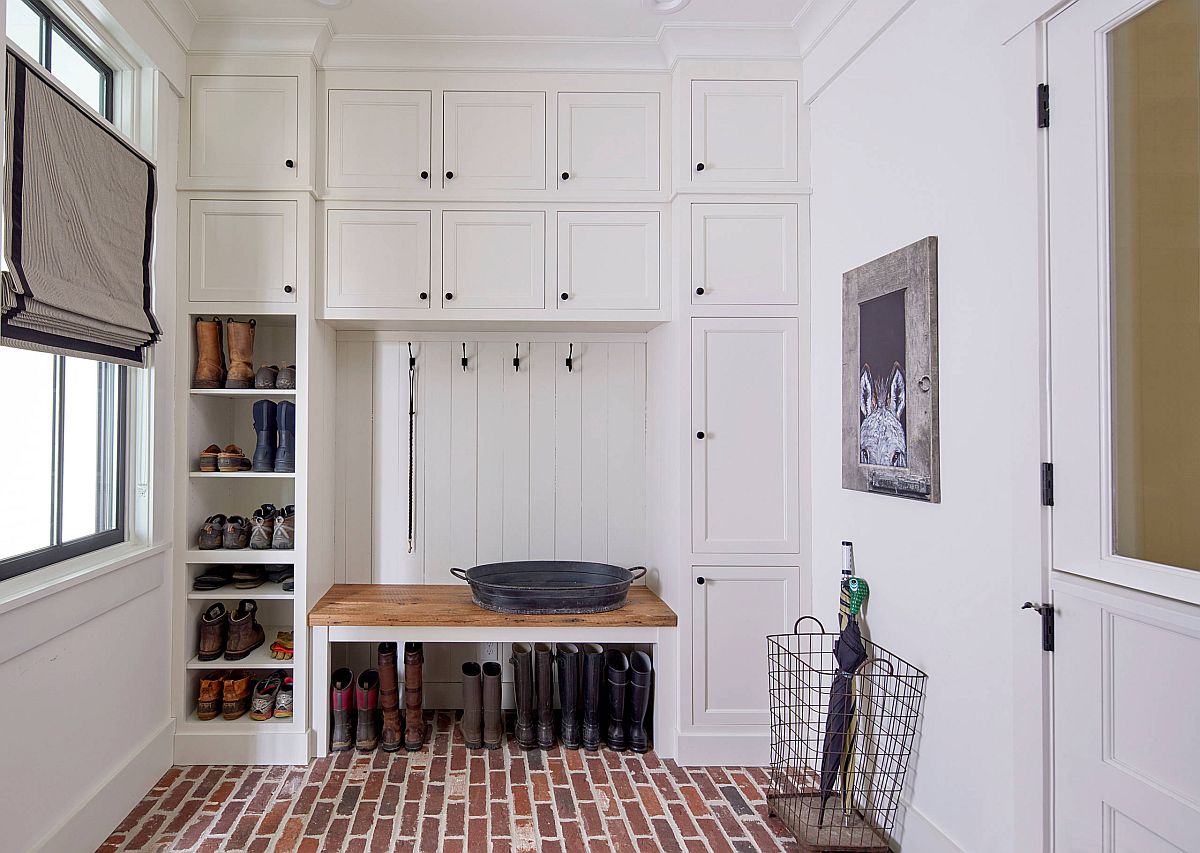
(78,228)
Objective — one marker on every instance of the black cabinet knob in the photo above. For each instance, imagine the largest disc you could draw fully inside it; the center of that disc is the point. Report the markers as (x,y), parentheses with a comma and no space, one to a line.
(700,435)
(424,175)
(566,175)
(449,175)
(699,167)
(699,291)
(449,296)
(700,581)
(287,288)
(563,297)
(289,163)
(424,295)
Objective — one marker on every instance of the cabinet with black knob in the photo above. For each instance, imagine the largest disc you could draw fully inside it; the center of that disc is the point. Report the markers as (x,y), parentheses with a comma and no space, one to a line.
(744,132)
(378,140)
(494,140)
(609,141)
(377,258)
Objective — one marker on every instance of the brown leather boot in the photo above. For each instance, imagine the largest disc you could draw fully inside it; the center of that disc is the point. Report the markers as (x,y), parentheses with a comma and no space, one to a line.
(214,628)
(212,693)
(414,717)
(245,634)
(210,357)
(241,354)
(236,695)
(389,698)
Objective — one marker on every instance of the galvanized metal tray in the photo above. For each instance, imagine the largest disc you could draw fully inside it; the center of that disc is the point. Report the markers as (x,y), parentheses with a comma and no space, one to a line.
(549,586)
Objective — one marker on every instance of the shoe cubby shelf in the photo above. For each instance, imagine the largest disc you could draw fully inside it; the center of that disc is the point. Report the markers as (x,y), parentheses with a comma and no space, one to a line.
(229,593)
(196,557)
(252,475)
(242,724)
(240,393)
(260,658)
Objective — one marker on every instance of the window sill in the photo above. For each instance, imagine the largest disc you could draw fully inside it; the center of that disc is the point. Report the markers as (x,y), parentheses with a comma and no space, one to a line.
(41,583)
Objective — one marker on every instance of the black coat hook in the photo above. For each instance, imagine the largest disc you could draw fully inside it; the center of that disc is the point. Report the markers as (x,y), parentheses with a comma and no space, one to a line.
(412,360)
(463,362)
(570,358)
(517,358)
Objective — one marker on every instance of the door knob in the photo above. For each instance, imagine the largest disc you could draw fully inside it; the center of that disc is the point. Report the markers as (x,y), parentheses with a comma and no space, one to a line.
(700,581)
(289,163)
(699,291)
(449,175)
(424,175)
(700,435)
(424,295)
(449,296)
(566,175)
(563,297)
(287,288)
(699,167)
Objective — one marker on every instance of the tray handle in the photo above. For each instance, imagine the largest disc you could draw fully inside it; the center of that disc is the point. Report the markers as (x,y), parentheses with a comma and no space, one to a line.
(796,627)
(634,571)
(461,574)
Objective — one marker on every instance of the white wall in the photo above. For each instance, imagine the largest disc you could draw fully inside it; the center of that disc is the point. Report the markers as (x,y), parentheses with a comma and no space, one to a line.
(931,131)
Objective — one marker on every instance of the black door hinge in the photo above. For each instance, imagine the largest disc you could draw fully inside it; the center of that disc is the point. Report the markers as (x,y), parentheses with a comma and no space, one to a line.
(1046,611)
(1043,105)
(1047,484)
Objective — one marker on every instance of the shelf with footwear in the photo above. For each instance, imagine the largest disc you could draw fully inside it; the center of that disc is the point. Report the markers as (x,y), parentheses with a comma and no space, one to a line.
(252,475)
(196,557)
(260,658)
(242,393)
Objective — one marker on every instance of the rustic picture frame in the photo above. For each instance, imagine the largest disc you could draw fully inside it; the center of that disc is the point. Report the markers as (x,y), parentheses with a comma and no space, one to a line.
(890,430)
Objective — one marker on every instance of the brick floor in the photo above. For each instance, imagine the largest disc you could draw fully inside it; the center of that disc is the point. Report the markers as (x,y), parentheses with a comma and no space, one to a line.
(449,798)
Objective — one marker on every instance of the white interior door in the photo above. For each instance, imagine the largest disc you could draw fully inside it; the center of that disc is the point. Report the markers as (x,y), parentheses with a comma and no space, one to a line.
(1124,182)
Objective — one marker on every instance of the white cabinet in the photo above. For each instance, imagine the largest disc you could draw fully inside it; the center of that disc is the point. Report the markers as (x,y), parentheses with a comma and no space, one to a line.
(245,128)
(744,130)
(377,259)
(608,260)
(608,140)
(494,140)
(745,439)
(378,139)
(242,251)
(733,608)
(745,254)
(493,259)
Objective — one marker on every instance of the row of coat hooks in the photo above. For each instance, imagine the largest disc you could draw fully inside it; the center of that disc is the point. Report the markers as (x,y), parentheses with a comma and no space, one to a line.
(516,362)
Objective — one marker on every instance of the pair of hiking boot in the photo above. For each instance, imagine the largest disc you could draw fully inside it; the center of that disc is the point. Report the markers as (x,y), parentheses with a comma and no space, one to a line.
(275,428)
(366,711)
(273,528)
(482,720)
(211,371)
(230,635)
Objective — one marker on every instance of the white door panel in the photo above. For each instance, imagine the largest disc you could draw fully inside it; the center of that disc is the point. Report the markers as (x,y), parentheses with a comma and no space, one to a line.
(744,130)
(494,140)
(244,127)
(493,259)
(608,260)
(378,138)
(377,259)
(608,140)
(242,251)
(746,254)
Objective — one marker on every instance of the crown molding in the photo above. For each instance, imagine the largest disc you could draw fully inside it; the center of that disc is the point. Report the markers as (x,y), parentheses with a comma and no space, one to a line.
(833,33)
(274,36)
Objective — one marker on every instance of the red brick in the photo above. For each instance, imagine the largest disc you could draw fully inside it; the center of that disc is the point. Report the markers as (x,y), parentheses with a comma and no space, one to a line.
(374,786)
(147,830)
(185,813)
(520,801)
(319,821)
(622,842)
(574,759)
(477,834)
(291,835)
(582,786)
(572,835)
(240,837)
(430,835)
(435,796)
(356,845)
(456,819)
(477,800)
(665,835)
(349,799)
(500,814)
(763,839)
(381,837)
(636,818)
(416,787)
(622,785)
(364,817)
(558,771)
(589,815)
(546,824)
(650,800)
(682,820)
(390,800)
(541,787)
(272,819)
(711,832)
(333,785)
(408,820)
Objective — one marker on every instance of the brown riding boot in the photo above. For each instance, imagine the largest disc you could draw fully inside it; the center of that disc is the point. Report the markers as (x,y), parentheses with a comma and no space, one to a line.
(241,354)
(389,698)
(414,718)
(210,356)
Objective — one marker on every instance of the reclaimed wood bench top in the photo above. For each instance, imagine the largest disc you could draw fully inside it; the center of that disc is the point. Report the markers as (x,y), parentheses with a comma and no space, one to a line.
(450,606)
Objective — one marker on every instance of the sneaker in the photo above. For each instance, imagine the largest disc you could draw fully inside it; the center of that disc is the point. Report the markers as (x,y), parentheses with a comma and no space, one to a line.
(283,702)
(262,706)
(284,537)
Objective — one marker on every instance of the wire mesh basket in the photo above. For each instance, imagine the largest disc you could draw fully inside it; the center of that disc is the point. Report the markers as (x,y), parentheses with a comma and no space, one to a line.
(839,792)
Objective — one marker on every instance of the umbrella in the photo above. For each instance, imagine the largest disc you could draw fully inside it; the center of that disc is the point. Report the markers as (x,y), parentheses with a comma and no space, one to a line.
(849,653)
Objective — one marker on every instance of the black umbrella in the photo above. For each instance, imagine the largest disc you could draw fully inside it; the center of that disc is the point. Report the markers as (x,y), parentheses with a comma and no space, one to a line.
(849,653)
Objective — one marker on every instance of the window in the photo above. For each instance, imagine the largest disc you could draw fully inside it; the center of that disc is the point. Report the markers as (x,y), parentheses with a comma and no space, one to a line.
(64,431)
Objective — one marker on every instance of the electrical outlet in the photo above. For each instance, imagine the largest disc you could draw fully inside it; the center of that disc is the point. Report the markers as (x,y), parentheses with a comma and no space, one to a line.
(490,651)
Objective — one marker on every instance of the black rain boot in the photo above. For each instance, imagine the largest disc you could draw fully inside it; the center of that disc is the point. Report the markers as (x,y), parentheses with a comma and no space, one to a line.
(285,456)
(640,676)
(593,675)
(617,666)
(568,692)
(543,669)
(266,428)
(522,661)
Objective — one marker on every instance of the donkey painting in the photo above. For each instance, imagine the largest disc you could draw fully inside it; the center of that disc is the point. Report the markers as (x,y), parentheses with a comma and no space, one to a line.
(881,439)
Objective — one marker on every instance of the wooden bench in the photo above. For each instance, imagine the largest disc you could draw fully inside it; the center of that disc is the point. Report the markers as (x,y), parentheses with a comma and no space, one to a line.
(432,613)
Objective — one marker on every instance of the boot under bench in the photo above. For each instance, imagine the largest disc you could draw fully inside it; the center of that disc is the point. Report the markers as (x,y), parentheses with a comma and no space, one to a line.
(432,613)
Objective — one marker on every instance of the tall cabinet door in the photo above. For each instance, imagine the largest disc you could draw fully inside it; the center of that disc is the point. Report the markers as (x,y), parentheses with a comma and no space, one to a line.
(378,138)
(729,662)
(745,436)
(494,140)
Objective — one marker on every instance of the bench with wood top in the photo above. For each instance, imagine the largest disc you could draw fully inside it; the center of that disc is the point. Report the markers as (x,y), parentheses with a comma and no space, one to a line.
(431,613)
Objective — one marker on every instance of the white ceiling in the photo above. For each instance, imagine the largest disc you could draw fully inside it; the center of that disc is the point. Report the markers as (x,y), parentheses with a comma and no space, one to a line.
(590,19)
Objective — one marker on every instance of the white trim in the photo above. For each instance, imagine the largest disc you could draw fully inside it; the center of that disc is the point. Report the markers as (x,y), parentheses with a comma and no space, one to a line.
(33,586)
(746,746)
(92,819)
(853,29)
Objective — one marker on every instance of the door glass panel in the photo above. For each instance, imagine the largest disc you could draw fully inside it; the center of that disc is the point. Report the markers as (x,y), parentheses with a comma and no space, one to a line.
(1155,245)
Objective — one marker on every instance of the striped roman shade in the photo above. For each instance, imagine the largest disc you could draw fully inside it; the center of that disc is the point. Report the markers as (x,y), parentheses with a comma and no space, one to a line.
(78,228)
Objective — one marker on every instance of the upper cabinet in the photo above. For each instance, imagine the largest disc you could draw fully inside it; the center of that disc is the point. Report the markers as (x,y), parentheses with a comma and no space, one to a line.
(608,140)
(746,254)
(245,130)
(377,259)
(493,259)
(494,140)
(744,131)
(378,139)
(608,260)
(242,250)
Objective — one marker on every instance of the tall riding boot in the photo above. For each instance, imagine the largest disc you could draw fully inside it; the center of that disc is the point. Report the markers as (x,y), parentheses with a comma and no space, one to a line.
(543,669)
(640,676)
(267,430)
(414,715)
(285,456)
(210,354)
(568,692)
(472,718)
(493,717)
(522,661)
(389,698)
(617,666)
(241,353)
(342,703)
(593,675)
(366,699)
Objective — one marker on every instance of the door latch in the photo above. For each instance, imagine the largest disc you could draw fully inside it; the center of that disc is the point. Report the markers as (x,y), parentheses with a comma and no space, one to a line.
(1046,611)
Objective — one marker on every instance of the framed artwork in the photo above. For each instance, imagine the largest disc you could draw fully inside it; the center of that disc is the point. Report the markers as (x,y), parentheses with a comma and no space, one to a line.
(890,375)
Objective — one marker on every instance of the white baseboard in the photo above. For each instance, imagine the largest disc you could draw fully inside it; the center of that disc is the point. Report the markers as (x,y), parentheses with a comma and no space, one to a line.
(91,821)
(724,748)
(291,747)
(920,835)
